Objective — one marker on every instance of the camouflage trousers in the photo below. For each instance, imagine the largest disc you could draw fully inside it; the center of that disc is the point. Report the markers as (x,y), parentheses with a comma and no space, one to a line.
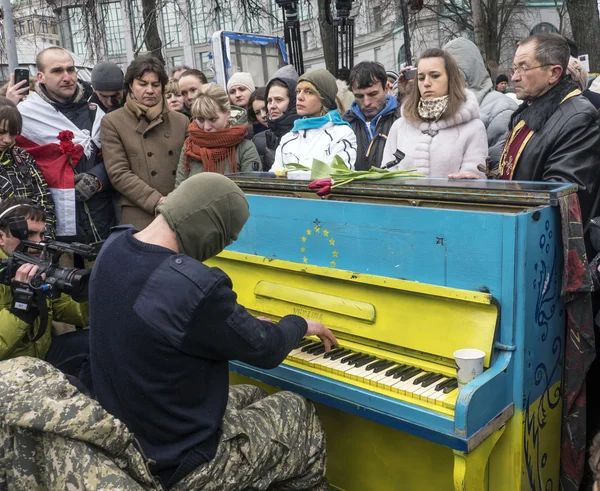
(273,442)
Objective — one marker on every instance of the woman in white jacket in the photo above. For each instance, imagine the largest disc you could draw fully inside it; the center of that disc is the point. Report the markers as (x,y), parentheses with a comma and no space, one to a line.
(321,133)
(440,133)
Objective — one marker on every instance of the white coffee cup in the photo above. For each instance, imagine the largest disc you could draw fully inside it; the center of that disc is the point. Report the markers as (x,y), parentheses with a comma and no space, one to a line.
(469,364)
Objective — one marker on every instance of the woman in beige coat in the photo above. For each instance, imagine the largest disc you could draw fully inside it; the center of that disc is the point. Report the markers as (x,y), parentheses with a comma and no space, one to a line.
(141,143)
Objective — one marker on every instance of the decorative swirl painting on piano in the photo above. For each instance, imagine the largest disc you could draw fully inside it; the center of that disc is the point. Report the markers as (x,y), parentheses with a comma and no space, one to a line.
(416,270)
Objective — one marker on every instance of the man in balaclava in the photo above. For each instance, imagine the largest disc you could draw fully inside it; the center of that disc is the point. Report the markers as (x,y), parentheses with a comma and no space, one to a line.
(164,328)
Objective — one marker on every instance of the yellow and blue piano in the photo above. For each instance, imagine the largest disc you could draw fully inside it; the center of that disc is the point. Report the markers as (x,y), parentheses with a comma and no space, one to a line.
(405,273)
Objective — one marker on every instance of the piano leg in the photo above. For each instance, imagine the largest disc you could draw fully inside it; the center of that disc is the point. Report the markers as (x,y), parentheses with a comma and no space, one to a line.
(469,468)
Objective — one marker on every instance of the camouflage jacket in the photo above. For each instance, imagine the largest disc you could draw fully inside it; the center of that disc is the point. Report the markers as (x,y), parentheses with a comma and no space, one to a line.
(53,437)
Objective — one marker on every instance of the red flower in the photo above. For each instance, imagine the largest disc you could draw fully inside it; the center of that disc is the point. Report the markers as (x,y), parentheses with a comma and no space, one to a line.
(324,191)
(66,136)
(319,183)
(67,147)
(575,271)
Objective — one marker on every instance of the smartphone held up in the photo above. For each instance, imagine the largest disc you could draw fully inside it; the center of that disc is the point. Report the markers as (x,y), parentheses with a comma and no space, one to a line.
(21,74)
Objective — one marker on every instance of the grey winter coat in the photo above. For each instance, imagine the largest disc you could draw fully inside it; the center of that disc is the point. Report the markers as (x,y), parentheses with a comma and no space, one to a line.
(494,107)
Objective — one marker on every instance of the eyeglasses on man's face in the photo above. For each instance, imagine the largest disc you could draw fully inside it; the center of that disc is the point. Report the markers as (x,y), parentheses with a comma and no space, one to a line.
(521,70)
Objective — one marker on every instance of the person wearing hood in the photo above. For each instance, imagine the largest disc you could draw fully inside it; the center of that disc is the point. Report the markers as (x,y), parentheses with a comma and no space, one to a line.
(281,114)
(217,138)
(141,142)
(372,114)
(321,133)
(495,108)
(440,133)
(579,74)
(162,338)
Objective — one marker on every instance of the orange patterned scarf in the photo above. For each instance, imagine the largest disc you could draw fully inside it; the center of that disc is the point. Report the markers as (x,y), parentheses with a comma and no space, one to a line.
(213,149)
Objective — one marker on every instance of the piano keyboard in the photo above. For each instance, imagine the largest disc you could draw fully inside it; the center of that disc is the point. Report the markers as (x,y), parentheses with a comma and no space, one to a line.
(404,380)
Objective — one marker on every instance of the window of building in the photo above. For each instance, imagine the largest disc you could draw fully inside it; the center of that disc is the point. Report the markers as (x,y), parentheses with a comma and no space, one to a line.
(276,17)
(78,33)
(30,27)
(200,22)
(204,63)
(253,25)
(376,18)
(305,39)
(171,26)
(136,15)
(175,61)
(544,27)
(21,28)
(53,29)
(114,37)
(44,26)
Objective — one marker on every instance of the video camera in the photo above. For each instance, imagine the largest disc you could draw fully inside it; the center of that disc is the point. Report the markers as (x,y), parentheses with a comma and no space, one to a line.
(72,281)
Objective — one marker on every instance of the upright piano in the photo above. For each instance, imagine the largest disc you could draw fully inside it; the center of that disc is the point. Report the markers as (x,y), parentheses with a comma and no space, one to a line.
(404,273)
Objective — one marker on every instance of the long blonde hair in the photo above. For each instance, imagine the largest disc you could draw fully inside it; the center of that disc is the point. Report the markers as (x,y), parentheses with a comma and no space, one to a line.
(210,100)
(456,88)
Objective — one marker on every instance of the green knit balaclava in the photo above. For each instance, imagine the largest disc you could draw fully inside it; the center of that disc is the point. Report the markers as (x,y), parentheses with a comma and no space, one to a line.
(206,212)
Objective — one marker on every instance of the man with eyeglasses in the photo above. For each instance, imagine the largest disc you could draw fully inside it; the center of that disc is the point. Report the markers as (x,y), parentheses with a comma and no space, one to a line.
(61,130)
(554,134)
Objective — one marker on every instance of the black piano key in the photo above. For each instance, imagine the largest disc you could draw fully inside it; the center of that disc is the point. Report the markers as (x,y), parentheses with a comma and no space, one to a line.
(341,354)
(334,351)
(363,356)
(405,370)
(304,342)
(351,357)
(375,364)
(318,351)
(383,366)
(451,387)
(443,384)
(394,370)
(311,345)
(433,380)
(410,374)
(314,349)
(423,378)
(364,361)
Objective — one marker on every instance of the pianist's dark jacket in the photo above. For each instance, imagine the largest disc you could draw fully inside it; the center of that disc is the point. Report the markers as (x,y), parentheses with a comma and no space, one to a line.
(160,356)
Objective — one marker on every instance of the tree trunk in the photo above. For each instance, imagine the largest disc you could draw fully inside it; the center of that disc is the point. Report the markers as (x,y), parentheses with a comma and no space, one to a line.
(151,34)
(585,26)
(326,31)
(479,27)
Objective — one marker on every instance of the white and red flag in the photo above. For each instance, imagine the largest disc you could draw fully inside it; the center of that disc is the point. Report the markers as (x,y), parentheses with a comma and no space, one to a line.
(57,145)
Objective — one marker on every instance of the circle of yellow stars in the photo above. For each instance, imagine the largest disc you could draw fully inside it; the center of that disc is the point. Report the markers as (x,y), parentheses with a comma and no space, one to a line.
(317,230)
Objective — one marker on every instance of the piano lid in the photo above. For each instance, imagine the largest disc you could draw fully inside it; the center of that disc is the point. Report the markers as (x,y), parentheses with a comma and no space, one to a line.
(448,190)
(392,314)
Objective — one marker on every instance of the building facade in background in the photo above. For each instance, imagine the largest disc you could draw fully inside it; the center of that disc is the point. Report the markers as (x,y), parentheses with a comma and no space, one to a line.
(112,30)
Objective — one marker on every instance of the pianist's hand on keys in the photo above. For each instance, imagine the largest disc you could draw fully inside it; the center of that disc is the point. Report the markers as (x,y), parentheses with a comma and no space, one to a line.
(325,335)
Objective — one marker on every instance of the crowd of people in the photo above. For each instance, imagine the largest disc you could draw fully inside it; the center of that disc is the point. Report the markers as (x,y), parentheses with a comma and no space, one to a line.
(144,149)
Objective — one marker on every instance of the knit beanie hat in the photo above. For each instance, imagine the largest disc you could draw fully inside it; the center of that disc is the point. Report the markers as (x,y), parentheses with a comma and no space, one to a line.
(241,78)
(501,78)
(107,76)
(578,73)
(207,212)
(325,84)
(393,74)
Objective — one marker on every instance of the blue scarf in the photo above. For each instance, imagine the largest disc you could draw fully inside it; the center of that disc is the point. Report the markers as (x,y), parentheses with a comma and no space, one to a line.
(316,122)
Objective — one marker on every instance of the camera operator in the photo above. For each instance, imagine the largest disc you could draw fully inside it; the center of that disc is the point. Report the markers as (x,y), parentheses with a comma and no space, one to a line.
(21,329)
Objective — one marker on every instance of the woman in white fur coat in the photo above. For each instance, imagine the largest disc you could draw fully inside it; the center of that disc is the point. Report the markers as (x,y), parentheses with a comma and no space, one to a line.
(440,133)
